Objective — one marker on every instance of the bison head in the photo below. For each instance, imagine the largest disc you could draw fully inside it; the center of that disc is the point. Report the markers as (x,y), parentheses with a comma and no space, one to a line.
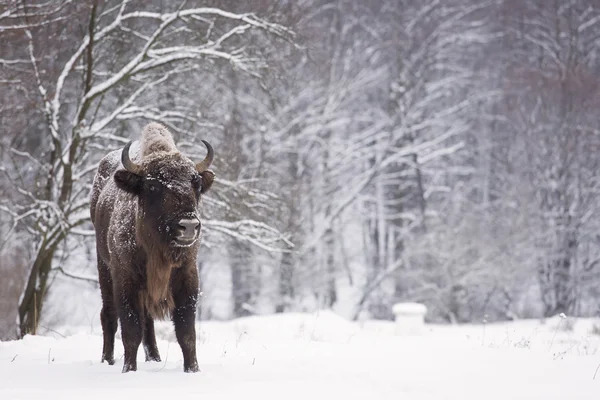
(168,187)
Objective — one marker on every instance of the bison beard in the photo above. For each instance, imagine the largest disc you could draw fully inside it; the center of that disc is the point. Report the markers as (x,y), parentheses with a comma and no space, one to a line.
(147,222)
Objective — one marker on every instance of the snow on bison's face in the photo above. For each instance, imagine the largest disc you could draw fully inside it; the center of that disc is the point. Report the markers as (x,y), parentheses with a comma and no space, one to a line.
(168,187)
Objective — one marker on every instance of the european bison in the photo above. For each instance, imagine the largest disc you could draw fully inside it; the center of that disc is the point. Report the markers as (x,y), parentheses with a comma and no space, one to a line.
(147,221)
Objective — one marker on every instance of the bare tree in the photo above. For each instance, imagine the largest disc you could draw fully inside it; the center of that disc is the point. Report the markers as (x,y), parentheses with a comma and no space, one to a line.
(93,91)
(556,58)
(432,151)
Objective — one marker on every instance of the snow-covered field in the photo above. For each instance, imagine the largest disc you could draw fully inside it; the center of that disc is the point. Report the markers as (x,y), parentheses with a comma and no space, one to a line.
(317,356)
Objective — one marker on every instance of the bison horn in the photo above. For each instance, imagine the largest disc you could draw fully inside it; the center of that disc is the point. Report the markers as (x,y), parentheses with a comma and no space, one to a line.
(127,163)
(204,164)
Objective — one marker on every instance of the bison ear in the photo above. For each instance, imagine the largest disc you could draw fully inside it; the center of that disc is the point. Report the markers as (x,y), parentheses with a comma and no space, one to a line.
(128,181)
(208,178)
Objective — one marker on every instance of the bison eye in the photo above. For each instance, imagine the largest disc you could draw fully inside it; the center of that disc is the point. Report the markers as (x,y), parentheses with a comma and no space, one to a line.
(197,182)
(153,187)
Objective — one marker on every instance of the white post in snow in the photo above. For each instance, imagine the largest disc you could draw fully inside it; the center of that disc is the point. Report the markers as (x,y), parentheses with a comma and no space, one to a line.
(410,318)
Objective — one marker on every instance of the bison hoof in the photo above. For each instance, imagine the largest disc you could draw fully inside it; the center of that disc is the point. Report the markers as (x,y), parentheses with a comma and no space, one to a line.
(153,358)
(129,367)
(191,368)
(110,361)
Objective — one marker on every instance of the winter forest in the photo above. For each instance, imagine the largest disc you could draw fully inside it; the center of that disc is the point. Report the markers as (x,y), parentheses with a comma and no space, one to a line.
(445,152)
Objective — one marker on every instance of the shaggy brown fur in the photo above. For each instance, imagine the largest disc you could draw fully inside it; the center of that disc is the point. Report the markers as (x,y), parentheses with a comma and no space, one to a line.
(146,263)
(156,139)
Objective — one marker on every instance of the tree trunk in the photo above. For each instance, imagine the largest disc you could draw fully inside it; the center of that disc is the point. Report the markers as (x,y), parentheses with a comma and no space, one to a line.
(331,289)
(30,308)
(288,260)
(558,295)
(286,283)
(244,283)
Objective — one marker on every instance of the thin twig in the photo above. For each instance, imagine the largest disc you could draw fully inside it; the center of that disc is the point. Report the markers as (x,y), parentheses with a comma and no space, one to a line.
(166,358)
(53,331)
(562,316)
(74,276)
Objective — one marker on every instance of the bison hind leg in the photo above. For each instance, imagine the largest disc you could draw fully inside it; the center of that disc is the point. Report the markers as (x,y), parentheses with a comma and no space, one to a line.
(108,318)
(150,347)
(108,314)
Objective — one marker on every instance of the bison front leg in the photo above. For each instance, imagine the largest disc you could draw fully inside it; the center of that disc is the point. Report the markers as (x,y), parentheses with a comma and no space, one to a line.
(131,316)
(185,294)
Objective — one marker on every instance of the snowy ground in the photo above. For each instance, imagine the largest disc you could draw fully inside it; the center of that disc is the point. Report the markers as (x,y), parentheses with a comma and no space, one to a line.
(317,356)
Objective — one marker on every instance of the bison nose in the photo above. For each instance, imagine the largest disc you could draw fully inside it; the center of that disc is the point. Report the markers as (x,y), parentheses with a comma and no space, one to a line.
(188,227)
